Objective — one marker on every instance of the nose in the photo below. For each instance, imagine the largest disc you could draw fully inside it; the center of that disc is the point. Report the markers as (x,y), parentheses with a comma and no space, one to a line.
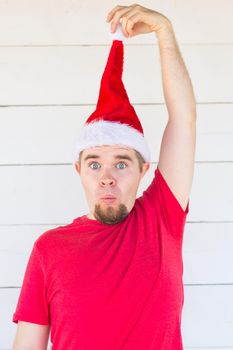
(107,180)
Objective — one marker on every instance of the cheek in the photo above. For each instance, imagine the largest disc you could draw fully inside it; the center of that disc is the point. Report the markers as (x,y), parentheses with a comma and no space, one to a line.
(128,184)
(89,182)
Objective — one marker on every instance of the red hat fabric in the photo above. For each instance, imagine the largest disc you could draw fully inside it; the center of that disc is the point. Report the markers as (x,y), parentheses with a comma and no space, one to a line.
(114,122)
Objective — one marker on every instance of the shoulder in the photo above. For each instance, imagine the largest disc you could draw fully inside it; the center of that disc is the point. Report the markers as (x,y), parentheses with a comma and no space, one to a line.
(55,234)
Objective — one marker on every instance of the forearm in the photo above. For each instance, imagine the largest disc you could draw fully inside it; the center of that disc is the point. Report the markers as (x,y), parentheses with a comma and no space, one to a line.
(177,86)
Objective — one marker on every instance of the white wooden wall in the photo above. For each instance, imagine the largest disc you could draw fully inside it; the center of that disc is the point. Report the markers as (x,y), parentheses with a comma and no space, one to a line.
(52,56)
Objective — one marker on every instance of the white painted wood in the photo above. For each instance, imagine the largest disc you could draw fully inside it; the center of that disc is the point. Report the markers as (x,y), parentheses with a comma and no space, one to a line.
(15,246)
(208,316)
(74,22)
(43,135)
(206,320)
(71,75)
(53,194)
(8,301)
(207,252)
(45,60)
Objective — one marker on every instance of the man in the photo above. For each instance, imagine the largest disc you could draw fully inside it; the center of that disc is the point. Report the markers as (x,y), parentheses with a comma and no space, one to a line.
(112,279)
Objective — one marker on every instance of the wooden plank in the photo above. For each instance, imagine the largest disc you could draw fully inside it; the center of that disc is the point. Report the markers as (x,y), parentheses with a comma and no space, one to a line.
(8,300)
(208,316)
(44,135)
(206,321)
(75,23)
(207,252)
(16,243)
(71,75)
(53,194)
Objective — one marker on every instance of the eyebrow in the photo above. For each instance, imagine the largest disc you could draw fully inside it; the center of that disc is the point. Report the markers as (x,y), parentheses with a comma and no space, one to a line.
(118,156)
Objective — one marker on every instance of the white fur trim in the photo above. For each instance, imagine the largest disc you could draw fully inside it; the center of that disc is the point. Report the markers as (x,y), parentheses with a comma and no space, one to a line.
(118,34)
(111,133)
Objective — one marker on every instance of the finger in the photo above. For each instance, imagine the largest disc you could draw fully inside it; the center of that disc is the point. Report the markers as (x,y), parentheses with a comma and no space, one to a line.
(116,8)
(131,21)
(117,16)
(123,21)
(112,12)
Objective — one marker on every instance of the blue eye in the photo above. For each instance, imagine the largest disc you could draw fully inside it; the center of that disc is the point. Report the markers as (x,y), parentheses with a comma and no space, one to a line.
(122,165)
(95,165)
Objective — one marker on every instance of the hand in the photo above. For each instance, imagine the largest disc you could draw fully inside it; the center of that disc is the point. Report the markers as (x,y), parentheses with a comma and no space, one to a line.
(136,19)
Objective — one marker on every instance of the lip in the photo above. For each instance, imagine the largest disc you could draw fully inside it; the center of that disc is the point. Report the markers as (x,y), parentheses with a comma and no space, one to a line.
(108,199)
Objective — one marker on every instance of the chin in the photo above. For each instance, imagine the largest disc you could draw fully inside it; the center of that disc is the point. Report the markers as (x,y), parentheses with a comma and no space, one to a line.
(110,214)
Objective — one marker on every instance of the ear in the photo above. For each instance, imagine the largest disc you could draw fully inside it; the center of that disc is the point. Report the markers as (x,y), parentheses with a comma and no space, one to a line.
(77,167)
(145,168)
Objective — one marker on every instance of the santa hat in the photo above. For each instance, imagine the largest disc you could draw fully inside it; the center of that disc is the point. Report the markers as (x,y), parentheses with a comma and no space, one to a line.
(114,122)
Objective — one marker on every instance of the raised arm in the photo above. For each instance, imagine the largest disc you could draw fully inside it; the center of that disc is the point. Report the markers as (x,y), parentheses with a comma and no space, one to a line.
(177,152)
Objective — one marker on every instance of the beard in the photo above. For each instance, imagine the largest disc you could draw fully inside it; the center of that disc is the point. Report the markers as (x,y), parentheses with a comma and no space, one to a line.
(110,215)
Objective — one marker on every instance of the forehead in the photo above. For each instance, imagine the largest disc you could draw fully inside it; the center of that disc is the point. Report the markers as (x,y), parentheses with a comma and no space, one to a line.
(109,151)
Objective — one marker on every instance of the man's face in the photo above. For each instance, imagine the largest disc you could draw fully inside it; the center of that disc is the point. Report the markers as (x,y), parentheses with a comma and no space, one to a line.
(110,176)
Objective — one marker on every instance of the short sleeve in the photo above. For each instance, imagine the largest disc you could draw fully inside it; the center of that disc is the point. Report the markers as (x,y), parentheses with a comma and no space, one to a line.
(165,205)
(32,304)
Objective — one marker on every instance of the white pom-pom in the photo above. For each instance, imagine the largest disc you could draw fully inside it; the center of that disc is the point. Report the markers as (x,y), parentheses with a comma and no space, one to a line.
(118,34)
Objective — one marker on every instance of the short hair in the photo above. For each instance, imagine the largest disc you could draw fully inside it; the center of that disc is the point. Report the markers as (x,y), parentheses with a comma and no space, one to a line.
(140,158)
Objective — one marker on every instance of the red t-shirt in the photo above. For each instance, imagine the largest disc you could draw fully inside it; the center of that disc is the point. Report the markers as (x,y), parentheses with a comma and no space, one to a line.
(111,287)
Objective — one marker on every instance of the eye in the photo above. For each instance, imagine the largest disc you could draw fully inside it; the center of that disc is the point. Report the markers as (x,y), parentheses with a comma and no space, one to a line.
(95,165)
(122,165)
